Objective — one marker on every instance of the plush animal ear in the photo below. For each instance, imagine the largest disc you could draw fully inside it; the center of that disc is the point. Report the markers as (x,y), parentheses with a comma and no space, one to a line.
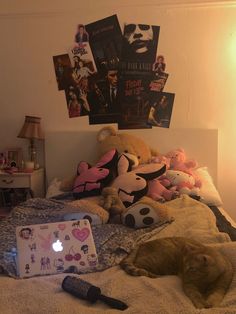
(181,150)
(108,160)
(151,171)
(82,167)
(105,132)
(124,165)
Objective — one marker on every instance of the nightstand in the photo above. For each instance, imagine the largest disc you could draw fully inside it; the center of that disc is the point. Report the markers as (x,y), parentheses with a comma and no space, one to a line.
(29,184)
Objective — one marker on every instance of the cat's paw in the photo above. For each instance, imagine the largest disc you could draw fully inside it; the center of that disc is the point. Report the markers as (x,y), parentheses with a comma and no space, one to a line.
(214,300)
(202,305)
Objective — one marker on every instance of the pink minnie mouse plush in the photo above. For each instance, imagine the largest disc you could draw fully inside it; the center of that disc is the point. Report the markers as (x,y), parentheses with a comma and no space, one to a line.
(91,180)
(178,161)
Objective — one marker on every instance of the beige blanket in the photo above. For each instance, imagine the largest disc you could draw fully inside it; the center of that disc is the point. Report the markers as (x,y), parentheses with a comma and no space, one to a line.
(43,295)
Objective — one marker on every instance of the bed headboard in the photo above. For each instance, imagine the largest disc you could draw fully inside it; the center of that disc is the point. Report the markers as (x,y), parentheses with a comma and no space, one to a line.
(64,149)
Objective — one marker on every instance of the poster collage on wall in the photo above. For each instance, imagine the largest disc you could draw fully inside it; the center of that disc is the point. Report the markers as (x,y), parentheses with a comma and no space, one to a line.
(114,77)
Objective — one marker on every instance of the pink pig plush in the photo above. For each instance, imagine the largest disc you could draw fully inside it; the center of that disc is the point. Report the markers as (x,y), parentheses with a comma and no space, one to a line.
(91,180)
(178,161)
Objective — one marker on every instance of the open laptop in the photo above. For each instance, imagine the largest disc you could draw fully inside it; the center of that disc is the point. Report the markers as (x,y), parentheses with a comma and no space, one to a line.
(52,248)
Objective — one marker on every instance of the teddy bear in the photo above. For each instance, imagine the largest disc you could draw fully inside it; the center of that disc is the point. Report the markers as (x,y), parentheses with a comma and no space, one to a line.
(184,182)
(112,204)
(86,209)
(134,147)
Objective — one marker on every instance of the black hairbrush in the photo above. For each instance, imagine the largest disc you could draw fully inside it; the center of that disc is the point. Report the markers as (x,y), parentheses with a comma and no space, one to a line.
(84,290)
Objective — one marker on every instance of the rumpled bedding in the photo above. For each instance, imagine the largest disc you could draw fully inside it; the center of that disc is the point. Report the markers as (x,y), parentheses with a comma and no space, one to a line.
(112,242)
(164,295)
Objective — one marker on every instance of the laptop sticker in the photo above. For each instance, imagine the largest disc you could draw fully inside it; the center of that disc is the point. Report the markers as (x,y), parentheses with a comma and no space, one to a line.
(72,255)
(59,264)
(62,227)
(26,233)
(84,248)
(81,234)
(46,242)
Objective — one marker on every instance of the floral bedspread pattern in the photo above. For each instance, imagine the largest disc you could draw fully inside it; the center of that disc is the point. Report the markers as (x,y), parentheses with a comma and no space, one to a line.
(112,242)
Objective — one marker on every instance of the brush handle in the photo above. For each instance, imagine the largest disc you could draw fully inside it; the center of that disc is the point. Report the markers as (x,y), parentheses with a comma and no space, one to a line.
(114,303)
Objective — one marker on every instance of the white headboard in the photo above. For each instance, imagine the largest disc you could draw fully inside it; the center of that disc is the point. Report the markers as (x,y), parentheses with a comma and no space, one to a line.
(65,149)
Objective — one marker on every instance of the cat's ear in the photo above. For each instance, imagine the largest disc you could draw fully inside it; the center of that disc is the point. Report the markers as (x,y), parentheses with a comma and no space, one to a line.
(190,248)
(204,259)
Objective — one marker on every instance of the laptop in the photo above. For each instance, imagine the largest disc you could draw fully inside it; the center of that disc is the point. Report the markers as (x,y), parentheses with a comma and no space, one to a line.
(53,248)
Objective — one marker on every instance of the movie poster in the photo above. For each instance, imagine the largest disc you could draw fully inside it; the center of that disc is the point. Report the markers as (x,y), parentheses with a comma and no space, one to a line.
(82,60)
(105,39)
(160,110)
(158,81)
(77,103)
(139,47)
(62,66)
(134,101)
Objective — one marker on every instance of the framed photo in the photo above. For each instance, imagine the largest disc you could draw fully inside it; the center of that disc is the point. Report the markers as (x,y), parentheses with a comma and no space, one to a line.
(14,157)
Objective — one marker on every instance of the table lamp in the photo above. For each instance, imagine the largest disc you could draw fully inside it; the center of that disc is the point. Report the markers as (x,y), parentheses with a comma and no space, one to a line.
(32,130)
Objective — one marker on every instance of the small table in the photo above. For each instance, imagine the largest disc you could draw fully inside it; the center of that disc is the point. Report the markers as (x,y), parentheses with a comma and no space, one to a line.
(21,184)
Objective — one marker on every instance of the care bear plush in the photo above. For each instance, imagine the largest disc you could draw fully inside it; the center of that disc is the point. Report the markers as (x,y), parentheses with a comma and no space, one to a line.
(130,145)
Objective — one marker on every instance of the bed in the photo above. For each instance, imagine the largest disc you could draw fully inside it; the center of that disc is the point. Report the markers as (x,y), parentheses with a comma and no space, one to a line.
(143,295)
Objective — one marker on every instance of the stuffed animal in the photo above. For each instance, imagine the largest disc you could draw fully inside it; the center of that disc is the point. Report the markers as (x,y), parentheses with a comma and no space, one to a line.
(112,204)
(184,182)
(91,180)
(178,161)
(157,190)
(132,185)
(145,213)
(108,139)
(87,209)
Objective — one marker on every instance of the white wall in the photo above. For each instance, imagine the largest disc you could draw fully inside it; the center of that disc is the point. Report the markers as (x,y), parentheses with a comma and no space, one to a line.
(197,39)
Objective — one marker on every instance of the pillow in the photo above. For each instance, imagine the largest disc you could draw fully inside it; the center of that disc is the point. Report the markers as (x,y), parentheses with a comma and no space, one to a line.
(208,192)
(91,180)
(54,188)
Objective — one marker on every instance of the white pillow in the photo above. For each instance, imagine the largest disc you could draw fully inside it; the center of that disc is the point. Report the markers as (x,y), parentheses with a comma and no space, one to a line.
(54,188)
(208,192)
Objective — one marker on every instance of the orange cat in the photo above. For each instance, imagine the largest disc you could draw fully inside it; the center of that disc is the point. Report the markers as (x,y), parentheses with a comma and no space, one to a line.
(206,274)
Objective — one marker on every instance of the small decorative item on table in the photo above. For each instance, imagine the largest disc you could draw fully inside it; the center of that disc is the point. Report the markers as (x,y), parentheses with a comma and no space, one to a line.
(14,157)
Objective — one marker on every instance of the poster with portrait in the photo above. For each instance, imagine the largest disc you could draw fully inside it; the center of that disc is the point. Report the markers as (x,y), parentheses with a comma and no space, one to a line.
(105,39)
(160,110)
(134,101)
(82,59)
(158,81)
(62,66)
(81,35)
(139,47)
(76,100)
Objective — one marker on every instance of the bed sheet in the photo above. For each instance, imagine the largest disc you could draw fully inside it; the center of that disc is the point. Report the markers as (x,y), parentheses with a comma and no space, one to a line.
(142,294)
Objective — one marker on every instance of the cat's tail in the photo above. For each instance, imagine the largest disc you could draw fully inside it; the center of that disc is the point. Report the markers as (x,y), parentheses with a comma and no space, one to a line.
(128,265)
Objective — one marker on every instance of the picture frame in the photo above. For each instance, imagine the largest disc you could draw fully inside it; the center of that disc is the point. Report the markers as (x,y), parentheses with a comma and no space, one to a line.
(14,157)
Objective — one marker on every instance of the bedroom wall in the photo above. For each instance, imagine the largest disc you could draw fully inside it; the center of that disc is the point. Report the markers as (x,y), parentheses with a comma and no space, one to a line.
(198,39)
